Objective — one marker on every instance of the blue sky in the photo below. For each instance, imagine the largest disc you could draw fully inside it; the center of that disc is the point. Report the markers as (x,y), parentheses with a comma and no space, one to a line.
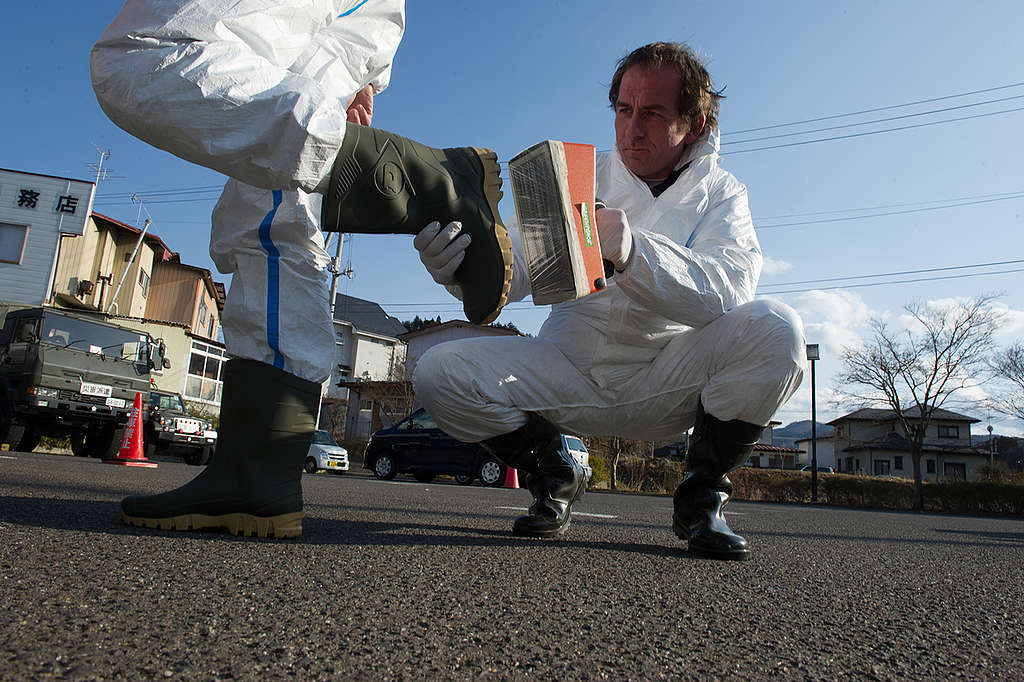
(936,194)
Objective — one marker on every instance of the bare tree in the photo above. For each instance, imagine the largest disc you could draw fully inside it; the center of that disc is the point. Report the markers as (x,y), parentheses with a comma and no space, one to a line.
(918,370)
(1008,369)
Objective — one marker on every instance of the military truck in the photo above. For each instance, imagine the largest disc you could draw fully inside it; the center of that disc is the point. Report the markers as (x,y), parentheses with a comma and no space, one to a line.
(65,373)
(171,430)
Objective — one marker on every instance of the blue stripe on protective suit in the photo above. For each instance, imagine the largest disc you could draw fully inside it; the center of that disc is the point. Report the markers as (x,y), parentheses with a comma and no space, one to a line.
(345,14)
(273,283)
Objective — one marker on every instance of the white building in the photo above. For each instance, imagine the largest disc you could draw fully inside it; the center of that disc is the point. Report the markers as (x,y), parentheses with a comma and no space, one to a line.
(35,212)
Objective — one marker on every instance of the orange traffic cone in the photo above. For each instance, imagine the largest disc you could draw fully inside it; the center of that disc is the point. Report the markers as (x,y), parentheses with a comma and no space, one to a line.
(131,447)
(511,478)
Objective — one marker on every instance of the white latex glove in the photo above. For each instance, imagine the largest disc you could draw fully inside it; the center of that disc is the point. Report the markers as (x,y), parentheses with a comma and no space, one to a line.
(442,250)
(615,236)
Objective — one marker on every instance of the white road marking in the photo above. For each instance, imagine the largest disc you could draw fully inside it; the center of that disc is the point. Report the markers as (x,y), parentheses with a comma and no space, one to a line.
(7,457)
(575,513)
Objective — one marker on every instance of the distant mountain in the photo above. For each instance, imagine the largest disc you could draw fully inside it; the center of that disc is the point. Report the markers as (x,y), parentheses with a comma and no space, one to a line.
(787,436)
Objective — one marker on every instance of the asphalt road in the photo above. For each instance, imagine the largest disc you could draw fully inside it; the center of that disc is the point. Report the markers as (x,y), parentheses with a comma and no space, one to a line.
(403,580)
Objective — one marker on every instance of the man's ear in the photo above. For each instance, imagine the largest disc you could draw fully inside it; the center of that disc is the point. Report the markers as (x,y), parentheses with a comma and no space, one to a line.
(696,128)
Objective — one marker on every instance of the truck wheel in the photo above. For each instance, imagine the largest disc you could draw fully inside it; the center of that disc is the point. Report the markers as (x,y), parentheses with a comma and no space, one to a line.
(205,455)
(29,440)
(108,441)
(78,443)
(101,442)
(198,457)
(13,436)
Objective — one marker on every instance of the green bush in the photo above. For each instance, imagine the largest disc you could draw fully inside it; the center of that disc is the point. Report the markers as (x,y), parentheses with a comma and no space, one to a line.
(959,497)
(601,475)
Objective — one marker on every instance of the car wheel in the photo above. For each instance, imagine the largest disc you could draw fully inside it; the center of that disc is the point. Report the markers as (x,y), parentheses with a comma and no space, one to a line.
(463,479)
(423,477)
(492,473)
(384,468)
(310,465)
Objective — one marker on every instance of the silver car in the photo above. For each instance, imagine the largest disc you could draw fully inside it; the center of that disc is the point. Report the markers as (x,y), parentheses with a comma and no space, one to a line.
(325,454)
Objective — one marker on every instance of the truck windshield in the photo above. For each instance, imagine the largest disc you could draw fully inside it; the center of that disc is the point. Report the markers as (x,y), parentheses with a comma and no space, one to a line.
(164,401)
(69,332)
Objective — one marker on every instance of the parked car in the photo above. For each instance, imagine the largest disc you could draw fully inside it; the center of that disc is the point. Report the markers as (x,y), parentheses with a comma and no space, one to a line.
(821,470)
(417,446)
(325,455)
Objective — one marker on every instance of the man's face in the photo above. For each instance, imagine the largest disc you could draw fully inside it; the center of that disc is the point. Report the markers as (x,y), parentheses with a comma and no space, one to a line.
(650,133)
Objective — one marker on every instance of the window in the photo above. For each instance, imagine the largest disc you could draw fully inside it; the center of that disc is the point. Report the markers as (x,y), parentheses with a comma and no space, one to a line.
(210,334)
(898,463)
(203,380)
(930,466)
(144,282)
(12,242)
(202,313)
(365,404)
(955,471)
(881,467)
(949,431)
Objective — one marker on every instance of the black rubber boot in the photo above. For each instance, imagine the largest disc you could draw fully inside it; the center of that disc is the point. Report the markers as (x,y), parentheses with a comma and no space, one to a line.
(555,479)
(715,448)
(253,485)
(382,183)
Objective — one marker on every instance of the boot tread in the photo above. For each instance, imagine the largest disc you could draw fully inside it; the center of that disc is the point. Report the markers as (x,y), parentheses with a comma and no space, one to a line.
(245,525)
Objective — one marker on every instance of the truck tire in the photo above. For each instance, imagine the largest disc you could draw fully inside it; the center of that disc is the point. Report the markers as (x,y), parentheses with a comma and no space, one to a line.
(78,443)
(29,440)
(198,457)
(13,435)
(99,442)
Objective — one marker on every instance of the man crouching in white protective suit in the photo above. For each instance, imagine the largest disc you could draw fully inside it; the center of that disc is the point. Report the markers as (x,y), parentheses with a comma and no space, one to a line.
(277,95)
(674,340)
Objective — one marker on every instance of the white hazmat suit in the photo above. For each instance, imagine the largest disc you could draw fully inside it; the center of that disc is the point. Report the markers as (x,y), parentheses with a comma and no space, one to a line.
(678,325)
(255,89)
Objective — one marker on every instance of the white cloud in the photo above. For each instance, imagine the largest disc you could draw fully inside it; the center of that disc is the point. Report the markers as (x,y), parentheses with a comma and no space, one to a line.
(773,266)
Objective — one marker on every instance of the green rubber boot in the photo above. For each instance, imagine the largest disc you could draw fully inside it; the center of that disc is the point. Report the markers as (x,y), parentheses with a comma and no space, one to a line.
(253,486)
(715,449)
(382,183)
(553,477)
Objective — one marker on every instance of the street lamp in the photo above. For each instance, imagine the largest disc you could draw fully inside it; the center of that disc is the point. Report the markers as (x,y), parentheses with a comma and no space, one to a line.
(812,355)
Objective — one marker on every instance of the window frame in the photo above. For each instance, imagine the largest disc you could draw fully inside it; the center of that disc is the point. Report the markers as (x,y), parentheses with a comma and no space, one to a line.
(24,242)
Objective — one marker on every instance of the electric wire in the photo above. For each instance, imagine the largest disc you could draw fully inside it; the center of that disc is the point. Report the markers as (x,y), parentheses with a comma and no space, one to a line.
(875,110)
(878,120)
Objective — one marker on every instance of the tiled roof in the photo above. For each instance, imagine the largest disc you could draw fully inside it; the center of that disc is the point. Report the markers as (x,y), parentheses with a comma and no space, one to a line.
(366,316)
(879,415)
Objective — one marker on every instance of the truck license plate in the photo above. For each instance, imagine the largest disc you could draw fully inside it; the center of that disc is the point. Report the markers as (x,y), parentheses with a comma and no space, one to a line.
(98,390)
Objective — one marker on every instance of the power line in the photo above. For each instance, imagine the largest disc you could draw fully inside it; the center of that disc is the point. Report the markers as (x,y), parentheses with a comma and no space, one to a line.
(901,205)
(875,110)
(876,132)
(874,121)
(901,272)
(898,281)
(891,213)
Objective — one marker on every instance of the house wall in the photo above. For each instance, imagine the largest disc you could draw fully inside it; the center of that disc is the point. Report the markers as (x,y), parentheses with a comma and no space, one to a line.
(825,452)
(884,463)
(419,343)
(376,357)
(33,215)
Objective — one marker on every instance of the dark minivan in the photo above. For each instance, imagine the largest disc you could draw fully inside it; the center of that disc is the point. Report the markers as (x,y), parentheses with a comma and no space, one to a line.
(417,446)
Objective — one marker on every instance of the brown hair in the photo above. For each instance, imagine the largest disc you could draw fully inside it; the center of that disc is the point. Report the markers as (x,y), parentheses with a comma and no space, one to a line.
(696,96)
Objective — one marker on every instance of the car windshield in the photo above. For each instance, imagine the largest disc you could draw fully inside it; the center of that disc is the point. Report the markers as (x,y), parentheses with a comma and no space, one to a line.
(323,438)
(575,443)
(68,332)
(165,401)
(418,420)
